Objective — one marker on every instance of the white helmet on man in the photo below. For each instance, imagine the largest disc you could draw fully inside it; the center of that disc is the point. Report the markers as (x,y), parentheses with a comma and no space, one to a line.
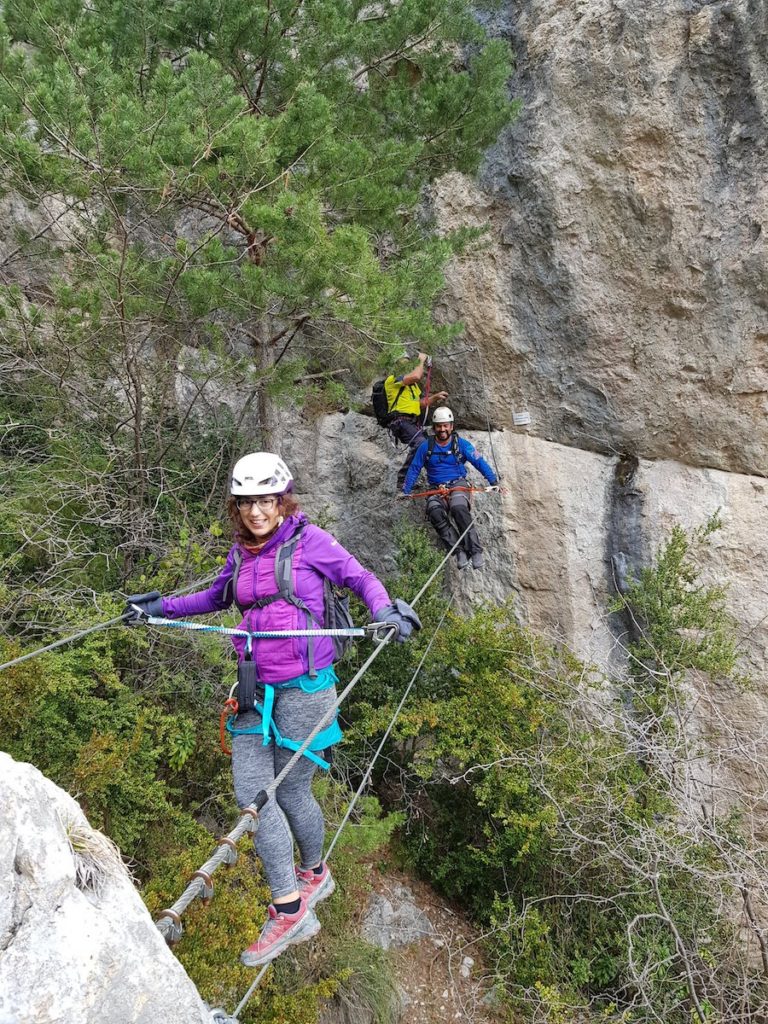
(260,473)
(442,415)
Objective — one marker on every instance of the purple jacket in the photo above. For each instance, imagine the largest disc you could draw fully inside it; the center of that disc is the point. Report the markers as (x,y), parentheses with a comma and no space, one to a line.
(317,555)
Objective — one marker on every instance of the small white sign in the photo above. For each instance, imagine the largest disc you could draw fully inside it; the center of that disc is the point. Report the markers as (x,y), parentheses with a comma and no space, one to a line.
(521,419)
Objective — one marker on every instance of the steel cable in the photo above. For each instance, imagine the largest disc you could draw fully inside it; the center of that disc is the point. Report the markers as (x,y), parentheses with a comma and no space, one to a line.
(93,629)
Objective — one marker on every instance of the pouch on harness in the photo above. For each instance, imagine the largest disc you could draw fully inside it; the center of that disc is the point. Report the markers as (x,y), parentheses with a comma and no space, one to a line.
(381,407)
(335,600)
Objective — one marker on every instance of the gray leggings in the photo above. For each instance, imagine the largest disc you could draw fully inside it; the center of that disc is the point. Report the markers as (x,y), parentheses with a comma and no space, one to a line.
(294,814)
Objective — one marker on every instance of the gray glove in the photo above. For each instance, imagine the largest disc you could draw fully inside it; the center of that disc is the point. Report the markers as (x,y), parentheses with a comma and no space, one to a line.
(399,614)
(150,604)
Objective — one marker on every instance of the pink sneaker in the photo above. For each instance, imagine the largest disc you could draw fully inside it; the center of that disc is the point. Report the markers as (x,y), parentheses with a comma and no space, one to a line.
(281,931)
(314,888)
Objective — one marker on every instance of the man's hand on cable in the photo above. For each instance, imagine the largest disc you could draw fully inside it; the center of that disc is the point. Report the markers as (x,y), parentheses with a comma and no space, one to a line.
(148,604)
(399,614)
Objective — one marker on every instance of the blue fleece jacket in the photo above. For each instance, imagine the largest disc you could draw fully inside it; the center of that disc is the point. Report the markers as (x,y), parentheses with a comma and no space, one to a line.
(443,466)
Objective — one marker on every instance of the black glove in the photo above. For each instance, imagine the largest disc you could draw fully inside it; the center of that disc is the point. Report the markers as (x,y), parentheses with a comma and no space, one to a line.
(400,614)
(149,604)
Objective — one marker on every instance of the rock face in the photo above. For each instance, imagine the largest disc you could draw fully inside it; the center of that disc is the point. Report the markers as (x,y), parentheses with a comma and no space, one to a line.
(76,943)
(394,920)
(623,298)
(572,523)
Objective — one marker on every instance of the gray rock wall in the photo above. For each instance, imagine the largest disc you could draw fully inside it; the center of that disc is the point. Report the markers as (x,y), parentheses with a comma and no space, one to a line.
(76,942)
(572,522)
(623,298)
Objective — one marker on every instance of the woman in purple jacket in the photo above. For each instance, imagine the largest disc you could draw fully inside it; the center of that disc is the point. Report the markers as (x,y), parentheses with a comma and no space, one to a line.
(285,686)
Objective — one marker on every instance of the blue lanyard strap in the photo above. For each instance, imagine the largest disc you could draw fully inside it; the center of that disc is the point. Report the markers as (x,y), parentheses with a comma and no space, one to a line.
(266,714)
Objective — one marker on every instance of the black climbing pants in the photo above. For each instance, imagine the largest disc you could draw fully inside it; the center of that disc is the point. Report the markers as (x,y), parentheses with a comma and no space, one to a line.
(408,430)
(451,515)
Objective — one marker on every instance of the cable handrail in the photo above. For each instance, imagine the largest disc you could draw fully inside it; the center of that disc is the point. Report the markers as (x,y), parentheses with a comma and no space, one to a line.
(468,489)
(366,778)
(93,629)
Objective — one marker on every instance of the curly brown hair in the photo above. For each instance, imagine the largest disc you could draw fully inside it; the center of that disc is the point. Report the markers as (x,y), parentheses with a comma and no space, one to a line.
(241,533)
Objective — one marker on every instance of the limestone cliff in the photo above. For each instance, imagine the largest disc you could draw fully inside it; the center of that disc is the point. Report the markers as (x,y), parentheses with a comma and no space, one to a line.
(621,299)
(623,295)
(76,942)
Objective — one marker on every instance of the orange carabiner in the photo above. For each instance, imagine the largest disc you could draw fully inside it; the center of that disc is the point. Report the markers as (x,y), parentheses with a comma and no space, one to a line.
(230,708)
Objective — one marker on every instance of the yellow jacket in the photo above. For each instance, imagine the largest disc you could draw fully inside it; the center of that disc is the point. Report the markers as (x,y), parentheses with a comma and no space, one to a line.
(408,402)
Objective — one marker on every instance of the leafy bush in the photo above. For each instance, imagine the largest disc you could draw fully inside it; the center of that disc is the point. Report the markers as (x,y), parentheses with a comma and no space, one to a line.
(585,821)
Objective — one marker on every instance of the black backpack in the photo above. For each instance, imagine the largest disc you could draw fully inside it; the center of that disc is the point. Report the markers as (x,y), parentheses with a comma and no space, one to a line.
(381,409)
(336,613)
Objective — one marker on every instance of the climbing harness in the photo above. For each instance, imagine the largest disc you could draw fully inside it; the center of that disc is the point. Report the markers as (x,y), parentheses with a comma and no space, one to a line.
(247,683)
(248,687)
(267,728)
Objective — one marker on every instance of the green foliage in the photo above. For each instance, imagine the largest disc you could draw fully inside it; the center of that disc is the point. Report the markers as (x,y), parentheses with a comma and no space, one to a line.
(244,172)
(680,624)
(215,935)
(555,803)
(226,210)
(121,750)
(221,208)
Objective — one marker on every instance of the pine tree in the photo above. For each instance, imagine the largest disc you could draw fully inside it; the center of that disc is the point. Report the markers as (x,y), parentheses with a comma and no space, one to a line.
(206,174)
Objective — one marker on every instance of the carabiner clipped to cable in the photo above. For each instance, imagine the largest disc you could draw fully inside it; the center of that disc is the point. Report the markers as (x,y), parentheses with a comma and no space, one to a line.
(381,632)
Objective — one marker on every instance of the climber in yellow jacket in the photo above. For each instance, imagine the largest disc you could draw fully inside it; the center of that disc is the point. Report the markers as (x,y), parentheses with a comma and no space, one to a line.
(406,404)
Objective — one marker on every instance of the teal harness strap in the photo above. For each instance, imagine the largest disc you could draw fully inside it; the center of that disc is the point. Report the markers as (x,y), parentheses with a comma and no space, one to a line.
(327,738)
(265,710)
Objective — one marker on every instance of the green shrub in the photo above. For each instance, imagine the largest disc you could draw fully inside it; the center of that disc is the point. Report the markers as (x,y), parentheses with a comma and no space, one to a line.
(560,805)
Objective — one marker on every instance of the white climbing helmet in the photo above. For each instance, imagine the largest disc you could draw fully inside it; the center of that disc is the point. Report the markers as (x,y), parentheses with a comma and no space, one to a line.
(442,415)
(260,473)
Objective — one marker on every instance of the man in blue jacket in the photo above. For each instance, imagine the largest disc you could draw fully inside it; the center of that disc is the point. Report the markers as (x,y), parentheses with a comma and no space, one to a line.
(444,456)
